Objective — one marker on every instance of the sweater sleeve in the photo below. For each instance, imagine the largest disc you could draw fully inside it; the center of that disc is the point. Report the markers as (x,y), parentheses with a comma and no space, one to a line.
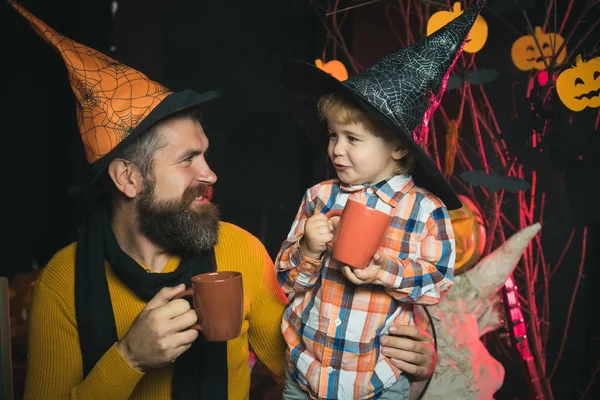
(54,367)
(266,312)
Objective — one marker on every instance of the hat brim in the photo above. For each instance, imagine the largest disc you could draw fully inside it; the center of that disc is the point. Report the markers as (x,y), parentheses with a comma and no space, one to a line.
(170,105)
(303,84)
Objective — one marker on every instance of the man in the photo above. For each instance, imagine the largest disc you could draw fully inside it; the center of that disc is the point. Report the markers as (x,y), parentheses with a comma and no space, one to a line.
(103,322)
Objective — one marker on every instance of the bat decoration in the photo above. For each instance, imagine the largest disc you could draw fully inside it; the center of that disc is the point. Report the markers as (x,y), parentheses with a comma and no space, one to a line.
(479,77)
(494,182)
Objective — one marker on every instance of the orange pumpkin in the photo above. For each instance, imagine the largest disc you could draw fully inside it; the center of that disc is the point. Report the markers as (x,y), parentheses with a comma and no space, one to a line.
(578,87)
(469,234)
(527,56)
(334,68)
(477,36)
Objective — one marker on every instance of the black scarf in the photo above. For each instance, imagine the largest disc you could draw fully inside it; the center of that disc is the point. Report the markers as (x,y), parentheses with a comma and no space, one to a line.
(200,372)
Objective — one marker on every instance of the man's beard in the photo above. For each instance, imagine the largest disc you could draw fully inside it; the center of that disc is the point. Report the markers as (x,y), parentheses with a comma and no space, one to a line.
(173,225)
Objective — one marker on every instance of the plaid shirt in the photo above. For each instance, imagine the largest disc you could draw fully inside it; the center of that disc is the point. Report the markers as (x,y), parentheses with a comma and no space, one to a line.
(332,327)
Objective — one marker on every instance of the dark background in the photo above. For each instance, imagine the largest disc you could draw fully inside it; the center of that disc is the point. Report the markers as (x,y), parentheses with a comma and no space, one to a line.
(263,161)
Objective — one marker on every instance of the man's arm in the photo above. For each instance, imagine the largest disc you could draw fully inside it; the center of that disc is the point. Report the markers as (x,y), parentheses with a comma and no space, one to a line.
(266,312)
(54,364)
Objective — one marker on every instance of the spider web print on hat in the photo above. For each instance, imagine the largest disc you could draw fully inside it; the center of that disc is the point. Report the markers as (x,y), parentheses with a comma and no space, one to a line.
(112,98)
(407,86)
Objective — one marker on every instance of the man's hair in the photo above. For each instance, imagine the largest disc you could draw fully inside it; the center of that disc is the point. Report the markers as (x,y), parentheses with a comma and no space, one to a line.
(142,149)
(345,110)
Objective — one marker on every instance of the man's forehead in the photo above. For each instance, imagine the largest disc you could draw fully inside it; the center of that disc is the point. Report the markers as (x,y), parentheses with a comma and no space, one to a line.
(187,136)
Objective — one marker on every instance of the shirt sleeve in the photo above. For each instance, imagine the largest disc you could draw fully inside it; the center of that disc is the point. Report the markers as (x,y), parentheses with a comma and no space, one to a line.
(54,367)
(295,272)
(424,275)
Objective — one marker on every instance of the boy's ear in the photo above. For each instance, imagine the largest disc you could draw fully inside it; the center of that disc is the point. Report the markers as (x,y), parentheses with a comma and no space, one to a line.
(399,153)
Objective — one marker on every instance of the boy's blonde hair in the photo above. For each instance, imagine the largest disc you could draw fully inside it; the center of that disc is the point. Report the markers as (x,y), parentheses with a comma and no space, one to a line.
(345,111)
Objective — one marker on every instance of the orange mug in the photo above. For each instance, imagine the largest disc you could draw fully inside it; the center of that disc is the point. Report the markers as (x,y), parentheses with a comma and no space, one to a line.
(359,234)
(218,299)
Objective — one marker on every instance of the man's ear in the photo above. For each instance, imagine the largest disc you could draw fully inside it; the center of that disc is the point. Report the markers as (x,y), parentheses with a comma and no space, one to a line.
(126,177)
(399,153)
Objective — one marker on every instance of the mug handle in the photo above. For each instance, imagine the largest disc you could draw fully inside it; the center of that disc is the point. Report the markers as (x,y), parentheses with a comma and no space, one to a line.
(188,293)
(329,214)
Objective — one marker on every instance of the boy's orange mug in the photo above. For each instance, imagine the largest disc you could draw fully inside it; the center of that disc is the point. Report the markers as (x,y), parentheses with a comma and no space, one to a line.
(359,233)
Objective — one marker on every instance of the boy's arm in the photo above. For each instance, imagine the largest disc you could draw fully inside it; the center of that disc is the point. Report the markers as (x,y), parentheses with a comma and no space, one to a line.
(426,277)
(295,272)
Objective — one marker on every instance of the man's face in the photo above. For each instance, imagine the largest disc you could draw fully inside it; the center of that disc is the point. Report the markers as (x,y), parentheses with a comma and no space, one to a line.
(174,209)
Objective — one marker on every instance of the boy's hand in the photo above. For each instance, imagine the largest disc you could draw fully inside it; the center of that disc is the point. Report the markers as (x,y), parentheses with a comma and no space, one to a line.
(318,230)
(366,275)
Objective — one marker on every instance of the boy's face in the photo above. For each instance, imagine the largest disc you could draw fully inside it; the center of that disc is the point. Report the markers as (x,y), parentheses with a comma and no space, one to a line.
(360,157)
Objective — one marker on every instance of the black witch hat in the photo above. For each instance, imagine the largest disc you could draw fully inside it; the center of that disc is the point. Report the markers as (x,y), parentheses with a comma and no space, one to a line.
(402,90)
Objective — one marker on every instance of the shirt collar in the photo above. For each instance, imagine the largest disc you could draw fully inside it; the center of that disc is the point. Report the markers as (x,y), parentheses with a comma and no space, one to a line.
(389,190)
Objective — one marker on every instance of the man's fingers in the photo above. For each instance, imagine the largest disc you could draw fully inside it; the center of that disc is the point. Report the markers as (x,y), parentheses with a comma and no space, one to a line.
(183,321)
(163,296)
(416,371)
(406,344)
(409,357)
(412,332)
(185,338)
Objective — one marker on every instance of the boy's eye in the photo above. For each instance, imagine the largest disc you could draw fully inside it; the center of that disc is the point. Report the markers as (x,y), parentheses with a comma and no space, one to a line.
(352,139)
(331,135)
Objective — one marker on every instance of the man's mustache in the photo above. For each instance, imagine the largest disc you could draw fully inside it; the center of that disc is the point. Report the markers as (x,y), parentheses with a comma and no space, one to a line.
(192,193)
(206,191)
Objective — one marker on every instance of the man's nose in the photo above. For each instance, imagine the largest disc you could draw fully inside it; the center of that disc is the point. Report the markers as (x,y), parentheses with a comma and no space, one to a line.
(206,175)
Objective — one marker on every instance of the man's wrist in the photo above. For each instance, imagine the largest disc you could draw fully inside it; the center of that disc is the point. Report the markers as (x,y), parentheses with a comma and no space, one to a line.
(125,352)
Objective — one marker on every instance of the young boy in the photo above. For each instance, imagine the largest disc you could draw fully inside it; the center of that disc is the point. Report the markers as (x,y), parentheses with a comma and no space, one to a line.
(368,125)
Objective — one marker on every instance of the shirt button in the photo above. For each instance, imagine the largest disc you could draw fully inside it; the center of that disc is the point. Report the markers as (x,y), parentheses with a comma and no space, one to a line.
(329,369)
(338,322)
(369,190)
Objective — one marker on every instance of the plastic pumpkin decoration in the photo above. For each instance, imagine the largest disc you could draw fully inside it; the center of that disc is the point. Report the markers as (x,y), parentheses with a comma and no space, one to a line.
(578,87)
(527,56)
(479,32)
(469,234)
(334,68)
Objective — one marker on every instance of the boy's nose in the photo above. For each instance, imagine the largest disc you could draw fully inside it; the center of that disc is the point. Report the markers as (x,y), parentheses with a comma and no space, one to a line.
(339,148)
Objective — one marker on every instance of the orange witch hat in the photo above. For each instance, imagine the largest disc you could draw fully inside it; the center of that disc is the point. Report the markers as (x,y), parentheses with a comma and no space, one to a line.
(115,103)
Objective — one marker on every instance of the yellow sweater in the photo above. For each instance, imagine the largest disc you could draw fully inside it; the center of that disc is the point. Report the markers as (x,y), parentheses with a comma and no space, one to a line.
(54,367)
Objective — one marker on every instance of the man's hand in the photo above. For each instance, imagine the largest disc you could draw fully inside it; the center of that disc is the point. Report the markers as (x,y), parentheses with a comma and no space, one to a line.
(366,275)
(318,230)
(161,332)
(411,349)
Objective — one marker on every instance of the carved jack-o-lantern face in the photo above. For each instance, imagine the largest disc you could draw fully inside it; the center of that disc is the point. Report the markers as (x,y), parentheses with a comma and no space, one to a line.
(334,68)
(579,87)
(478,34)
(469,234)
(526,55)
